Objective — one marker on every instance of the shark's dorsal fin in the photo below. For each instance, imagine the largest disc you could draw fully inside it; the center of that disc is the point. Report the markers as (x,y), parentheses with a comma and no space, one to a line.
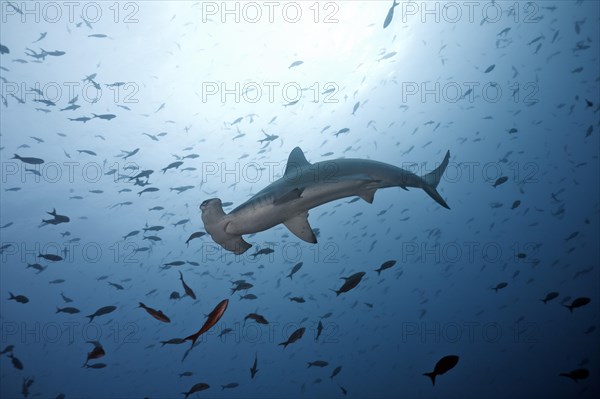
(296,160)
(300,227)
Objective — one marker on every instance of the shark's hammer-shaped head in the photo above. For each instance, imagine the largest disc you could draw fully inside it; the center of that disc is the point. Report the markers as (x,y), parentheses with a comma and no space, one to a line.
(215,223)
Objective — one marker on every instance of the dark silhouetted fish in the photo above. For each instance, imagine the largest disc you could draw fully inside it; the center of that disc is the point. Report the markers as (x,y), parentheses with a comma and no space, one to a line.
(572,235)
(89,152)
(388,55)
(19,298)
(144,173)
(83,119)
(336,371)
(55,53)
(500,180)
(385,265)
(175,263)
(577,303)
(95,366)
(181,189)
(68,310)
(16,362)
(444,365)
(295,64)
(153,228)
(106,117)
(131,234)
(173,165)
(196,388)
(254,368)
(319,330)
(257,318)
(390,15)
(350,283)
(157,314)
(241,286)
(225,332)
(188,291)
(317,363)
(550,296)
(29,160)
(58,219)
(148,190)
(500,286)
(51,257)
(37,267)
(264,251)
(102,311)
(295,269)
(577,374)
(296,335)
(196,234)
(66,299)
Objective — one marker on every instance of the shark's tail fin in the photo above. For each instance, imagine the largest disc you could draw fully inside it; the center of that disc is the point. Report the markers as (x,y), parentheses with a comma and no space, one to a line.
(216,222)
(432,179)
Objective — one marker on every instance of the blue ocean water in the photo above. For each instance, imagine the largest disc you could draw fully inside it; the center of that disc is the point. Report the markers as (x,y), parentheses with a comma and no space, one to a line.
(209,99)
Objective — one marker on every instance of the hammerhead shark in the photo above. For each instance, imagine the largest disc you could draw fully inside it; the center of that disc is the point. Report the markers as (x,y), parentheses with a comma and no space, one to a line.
(304,186)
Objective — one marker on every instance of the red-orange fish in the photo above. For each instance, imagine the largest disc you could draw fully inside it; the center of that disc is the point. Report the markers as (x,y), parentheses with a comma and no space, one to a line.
(96,353)
(213,318)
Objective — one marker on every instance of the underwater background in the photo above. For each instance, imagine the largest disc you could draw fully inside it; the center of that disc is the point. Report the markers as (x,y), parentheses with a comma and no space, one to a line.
(218,94)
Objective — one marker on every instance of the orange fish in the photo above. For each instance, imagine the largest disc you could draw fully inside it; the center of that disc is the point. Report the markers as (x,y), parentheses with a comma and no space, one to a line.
(96,353)
(213,318)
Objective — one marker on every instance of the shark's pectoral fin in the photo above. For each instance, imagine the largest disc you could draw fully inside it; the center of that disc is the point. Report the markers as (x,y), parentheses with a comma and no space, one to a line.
(289,196)
(300,227)
(235,244)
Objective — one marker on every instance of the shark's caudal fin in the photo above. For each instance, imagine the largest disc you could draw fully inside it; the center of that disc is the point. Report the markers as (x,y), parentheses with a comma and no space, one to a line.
(432,179)
(215,223)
